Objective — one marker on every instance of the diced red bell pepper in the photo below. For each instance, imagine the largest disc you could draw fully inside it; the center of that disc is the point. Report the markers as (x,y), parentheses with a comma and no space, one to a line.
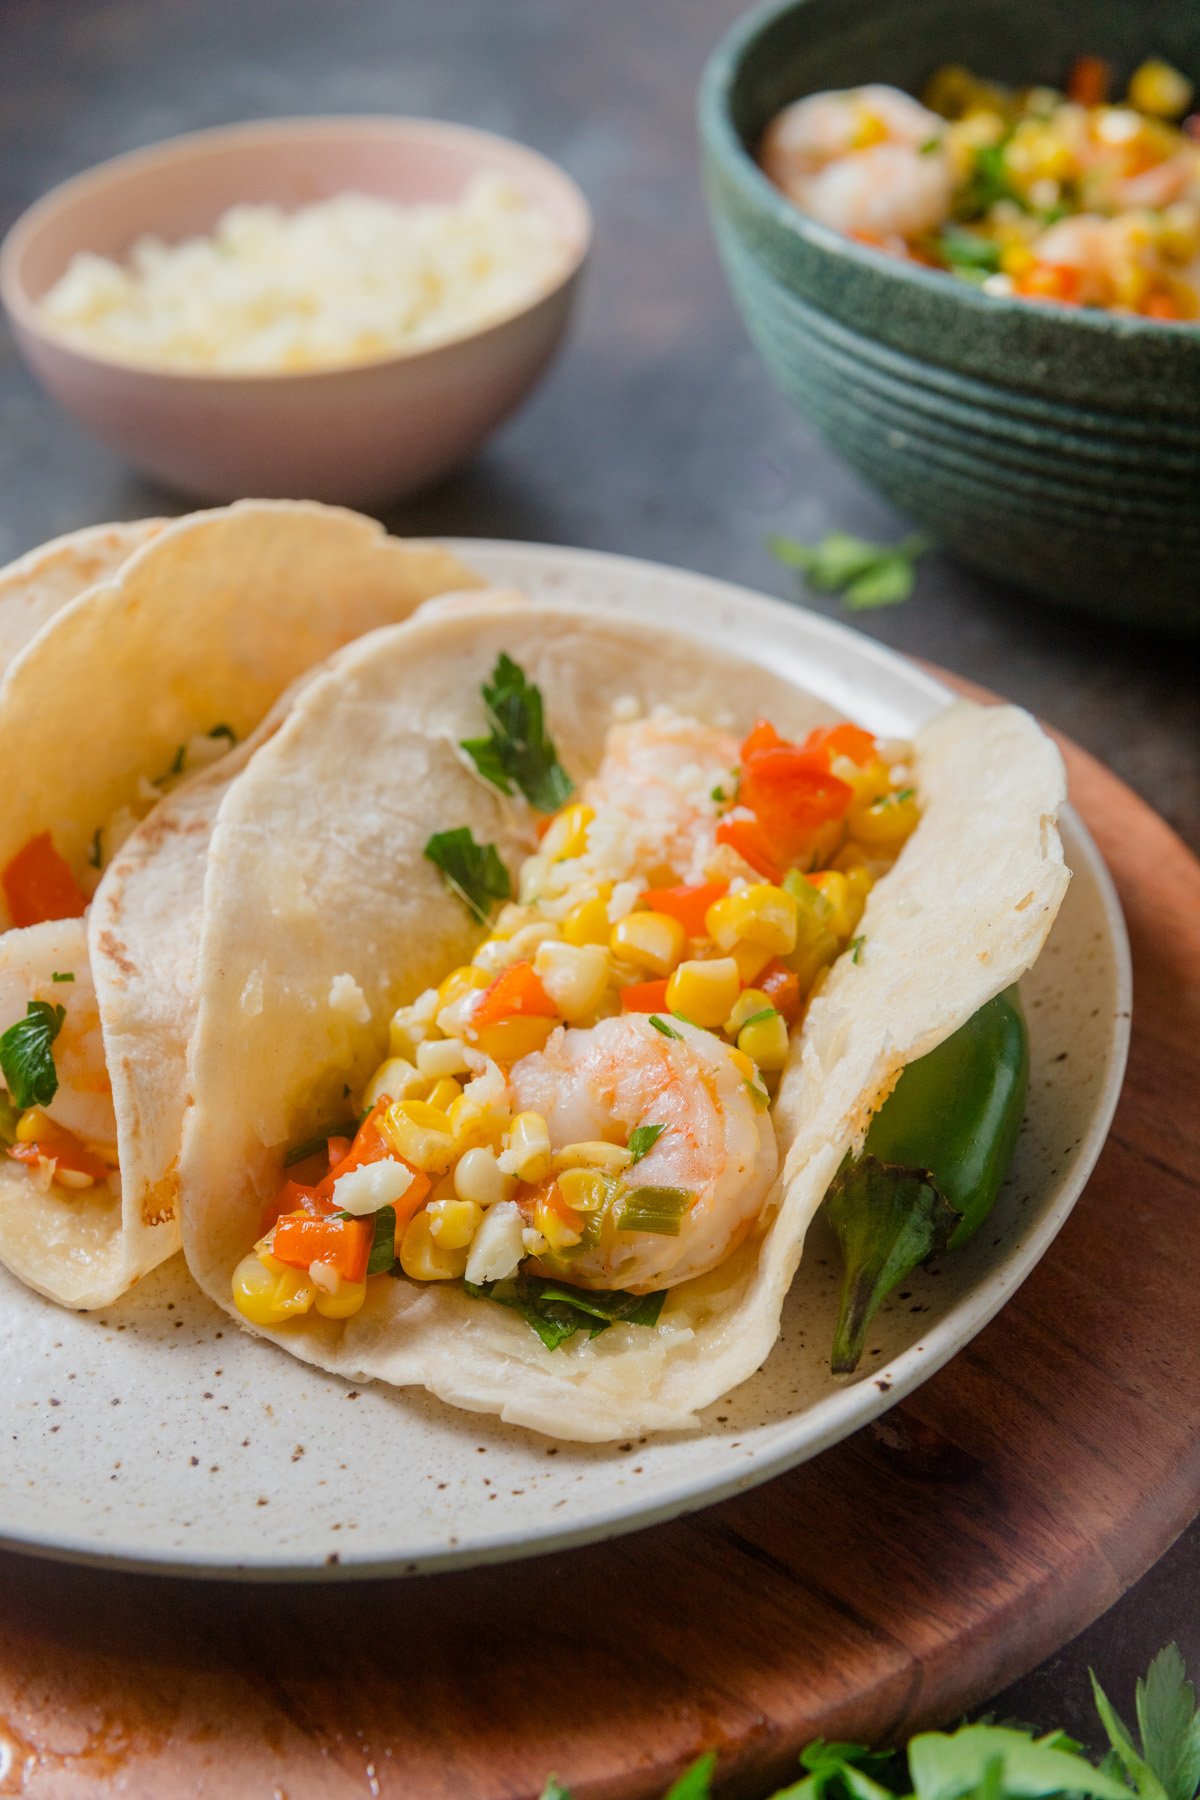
(761,736)
(644,997)
(345,1244)
(38,884)
(55,1142)
(337,1149)
(782,988)
(515,993)
(840,740)
(687,904)
(1089,81)
(747,837)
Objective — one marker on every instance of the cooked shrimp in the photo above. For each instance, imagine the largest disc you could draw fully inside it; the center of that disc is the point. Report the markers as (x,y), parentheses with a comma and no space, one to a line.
(653,796)
(603,1082)
(865,160)
(29,960)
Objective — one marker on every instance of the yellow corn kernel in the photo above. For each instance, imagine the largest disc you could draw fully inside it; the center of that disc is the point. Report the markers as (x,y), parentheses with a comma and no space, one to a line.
(887,821)
(408,1027)
(869,129)
(859,882)
(749,1001)
(453,1223)
(592,1154)
(444,1093)
(585,1190)
(765,1041)
(761,914)
(422,1258)
(421,1134)
(1156,88)
(836,890)
(1179,232)
(442,1056)
(527,1151)
(460,981)
(566,834)
(31,1125)
(475,1123)
(588,923)
(704,992)
(869,782)
(508,1040)
(558,1234)
(650,940)
(479,1177)
(344,1303)
(575,976)
(743,1064)
(1016,259)
(398,1079)
(267,1292)
(751,960)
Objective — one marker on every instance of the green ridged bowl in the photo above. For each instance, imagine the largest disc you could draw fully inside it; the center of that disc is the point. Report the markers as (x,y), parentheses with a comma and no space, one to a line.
(1053,447)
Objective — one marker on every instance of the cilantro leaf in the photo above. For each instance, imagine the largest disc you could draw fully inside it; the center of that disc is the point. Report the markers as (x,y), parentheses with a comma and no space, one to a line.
(519,751)
(26,1057)
(383,1245)
(865,574)
(1170,1724)
(557,1311)
(472,871)
(998,1760)
(886,1221)
(641,1139)
(696,1782)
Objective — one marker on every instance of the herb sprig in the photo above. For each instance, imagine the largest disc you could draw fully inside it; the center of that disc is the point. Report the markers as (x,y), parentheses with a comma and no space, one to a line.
(472,871)
(519,752)
(866,575)
(556,1312)
(27,1055)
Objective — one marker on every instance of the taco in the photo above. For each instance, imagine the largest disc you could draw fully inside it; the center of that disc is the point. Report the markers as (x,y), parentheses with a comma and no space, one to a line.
(45,580)
(125,718)
(554,969)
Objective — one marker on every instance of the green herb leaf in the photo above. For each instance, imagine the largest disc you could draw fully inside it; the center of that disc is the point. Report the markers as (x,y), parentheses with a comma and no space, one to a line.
(856,948)
(383,1245)
(557,1311)
(26,1057)
(1170,1724)
(886,1221)
(59,976)
(554,1790)
(472,871)
(696,1782)
(9,1118)
(764,1012)
(998,1760)
(309,1146)
(657,1209)
(966,253)
(519,753)
(989,182)
(641,1139)
(865,574)
(660,1024)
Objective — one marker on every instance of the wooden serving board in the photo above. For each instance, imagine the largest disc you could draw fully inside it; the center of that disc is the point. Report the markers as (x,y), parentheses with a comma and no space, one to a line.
(893,1582)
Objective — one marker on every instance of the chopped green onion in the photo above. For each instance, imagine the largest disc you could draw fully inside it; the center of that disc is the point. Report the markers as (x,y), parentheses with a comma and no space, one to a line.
(297,1152)
(660,1024)
(657,1209)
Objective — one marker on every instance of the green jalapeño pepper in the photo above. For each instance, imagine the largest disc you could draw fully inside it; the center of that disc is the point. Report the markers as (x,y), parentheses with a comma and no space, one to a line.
(931,1166)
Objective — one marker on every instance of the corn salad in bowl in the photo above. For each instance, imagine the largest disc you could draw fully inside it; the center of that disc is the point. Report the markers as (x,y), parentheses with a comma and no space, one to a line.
(578,1119)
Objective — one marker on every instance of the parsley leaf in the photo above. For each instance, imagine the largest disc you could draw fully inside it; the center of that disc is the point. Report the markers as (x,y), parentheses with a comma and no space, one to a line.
(556,1311)
(695,1782)
(1168,1764)
(641,1139)
(660,1024)
(26,1057)
(472,871)
(866,575)
(1000,1760)
(519,752)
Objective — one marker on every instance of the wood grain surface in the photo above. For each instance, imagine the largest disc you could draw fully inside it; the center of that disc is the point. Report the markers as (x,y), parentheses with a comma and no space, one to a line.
(895,1581)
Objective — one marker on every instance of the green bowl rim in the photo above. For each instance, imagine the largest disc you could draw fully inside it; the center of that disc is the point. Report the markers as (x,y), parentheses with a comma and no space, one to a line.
(720,136)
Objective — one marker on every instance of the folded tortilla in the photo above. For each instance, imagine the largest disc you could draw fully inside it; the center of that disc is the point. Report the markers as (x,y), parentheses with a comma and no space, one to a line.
(207,622)
(322,915)
(42,582)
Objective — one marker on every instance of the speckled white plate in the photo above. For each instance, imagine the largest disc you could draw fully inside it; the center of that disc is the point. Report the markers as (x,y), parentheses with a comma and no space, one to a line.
(156,1435)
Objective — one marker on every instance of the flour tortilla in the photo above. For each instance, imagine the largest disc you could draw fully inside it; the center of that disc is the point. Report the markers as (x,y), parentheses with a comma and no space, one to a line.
(316,872)
(207,623)
(42,582)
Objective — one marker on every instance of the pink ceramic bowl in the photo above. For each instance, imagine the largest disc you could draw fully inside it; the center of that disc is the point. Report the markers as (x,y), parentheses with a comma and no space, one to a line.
(359,434)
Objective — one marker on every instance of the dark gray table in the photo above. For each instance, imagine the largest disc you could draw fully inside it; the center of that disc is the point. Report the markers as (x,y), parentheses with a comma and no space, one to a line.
(657,435)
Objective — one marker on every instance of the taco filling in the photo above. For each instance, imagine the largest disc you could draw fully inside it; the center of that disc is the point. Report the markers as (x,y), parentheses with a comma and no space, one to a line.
(578,1119)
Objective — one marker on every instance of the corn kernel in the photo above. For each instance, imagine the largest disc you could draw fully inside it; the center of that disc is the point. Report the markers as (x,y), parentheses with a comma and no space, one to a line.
(869,782)
(534,871)
(460,981)
(588,923)
(422,1258)
(887,821)
(558,1232)
(585,1190)
(479,1177)
(575,976)
(566,834)
(527,1151)
(442,1056)
(453,1223)
(32,1125)
(742,1063)
(410,1026)
(421,1134)
(593,1154)
(761,914)
(749,1001)
(444,1093)
(508,1040)
(832,884)
(267,1292)
(765,1041)
(751,960)
(343,1303)
(651,941)
(398,1079)
(704,992)
(1156,88)
(474,1123)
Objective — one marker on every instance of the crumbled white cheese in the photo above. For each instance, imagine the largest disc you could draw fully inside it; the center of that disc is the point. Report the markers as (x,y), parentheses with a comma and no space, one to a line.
(498,1245)
(364,1190)
(347,999)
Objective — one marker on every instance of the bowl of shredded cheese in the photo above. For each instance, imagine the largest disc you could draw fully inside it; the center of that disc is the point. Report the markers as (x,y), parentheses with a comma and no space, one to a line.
(339,309)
